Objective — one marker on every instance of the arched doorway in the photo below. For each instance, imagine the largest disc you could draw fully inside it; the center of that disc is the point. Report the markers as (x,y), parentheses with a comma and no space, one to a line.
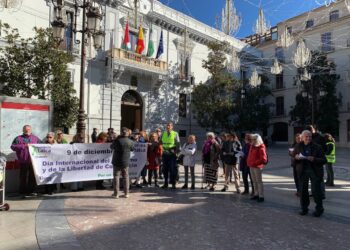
(131,110)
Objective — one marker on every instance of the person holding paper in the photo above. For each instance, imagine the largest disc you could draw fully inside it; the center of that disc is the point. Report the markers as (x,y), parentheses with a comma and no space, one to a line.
(309,159)
(296,175)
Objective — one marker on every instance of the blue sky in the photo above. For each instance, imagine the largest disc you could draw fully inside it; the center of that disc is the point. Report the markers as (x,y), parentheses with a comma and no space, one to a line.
(275,10)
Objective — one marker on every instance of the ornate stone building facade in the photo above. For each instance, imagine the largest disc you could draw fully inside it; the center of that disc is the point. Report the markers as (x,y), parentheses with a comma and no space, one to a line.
(128,89)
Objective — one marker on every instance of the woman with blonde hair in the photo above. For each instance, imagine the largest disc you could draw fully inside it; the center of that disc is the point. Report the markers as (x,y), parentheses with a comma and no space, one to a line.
(257,158)
(188,151)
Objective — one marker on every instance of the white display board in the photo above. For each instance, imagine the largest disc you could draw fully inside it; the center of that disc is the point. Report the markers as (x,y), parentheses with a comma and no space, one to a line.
(17,112)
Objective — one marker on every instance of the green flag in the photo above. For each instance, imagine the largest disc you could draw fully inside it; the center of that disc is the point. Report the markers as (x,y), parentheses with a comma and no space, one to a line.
(150,49)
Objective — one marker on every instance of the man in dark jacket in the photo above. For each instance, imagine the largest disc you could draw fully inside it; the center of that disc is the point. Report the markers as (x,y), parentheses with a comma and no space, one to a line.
(310,158)
(122,146)
(230,149)
(319,139)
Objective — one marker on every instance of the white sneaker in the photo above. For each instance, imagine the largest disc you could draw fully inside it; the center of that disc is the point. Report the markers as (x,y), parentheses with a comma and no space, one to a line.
(126,196)
(115,196)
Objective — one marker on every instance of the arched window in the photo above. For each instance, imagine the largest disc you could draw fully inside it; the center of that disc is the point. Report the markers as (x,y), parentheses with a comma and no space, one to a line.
(131,98)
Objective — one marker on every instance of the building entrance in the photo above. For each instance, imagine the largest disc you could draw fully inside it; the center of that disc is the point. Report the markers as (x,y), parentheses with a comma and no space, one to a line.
(131,110)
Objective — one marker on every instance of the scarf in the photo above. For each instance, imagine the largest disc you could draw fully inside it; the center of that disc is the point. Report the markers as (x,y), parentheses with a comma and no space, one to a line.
(207,145)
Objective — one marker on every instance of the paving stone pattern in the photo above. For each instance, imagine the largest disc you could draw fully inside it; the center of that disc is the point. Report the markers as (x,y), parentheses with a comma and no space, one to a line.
(196,220)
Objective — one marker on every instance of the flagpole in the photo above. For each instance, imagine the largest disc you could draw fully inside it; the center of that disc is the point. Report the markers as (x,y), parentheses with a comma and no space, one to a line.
(111,100)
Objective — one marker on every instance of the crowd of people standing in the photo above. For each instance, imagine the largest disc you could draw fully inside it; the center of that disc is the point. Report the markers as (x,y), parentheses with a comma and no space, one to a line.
(240,161)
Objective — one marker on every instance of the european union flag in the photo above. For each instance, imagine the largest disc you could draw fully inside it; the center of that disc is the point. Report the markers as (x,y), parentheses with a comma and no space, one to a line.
(160,46)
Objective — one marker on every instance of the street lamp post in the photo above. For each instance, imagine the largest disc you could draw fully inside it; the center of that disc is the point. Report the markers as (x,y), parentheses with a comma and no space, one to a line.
(312,98)
(91,26)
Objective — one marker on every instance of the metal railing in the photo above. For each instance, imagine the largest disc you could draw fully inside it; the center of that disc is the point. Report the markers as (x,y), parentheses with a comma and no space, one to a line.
(139,60)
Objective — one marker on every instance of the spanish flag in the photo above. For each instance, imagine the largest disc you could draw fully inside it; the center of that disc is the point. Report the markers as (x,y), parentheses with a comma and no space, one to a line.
(140,42)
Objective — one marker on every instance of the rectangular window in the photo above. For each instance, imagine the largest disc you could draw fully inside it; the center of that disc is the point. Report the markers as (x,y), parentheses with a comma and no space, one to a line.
(279,54)
(334,15)
(70,75)
(326,42)
(309,23)
(182,105)
(69,31)
(184,67)
(243,75)
(279,81)
(67,43)
(279,106)
(300,71)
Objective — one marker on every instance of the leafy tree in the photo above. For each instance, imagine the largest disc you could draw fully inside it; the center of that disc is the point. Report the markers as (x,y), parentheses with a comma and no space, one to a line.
(35,68)
(253,113)
(217,103)
(326,107)
(214,101)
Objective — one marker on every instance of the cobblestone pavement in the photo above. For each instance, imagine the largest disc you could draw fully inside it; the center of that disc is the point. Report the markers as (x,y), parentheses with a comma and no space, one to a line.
(156,219)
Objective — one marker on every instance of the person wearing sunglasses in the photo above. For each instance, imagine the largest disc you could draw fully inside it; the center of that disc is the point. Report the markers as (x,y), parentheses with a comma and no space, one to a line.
(59,137)
(50,139)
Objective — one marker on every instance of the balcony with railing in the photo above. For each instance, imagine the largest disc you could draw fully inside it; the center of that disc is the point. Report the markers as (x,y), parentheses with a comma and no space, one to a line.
(135,62)
(257,39)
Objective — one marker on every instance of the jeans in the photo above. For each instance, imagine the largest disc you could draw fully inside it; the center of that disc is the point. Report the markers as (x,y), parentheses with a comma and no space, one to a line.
(169,167)
(245,175)
(309,174)
(26,179)
(144,172)
(257,181)
(330,174)
(152,173)
(192,175)
(124,172)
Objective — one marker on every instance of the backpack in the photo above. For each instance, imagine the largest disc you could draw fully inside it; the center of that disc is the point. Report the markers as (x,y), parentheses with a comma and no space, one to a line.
(267,159)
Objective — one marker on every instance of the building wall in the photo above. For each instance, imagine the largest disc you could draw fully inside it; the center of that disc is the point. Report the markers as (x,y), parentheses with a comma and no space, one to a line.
(312,36)
(160,101)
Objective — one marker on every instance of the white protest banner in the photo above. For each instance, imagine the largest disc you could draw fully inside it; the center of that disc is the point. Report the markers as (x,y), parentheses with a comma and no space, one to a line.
(60,163)
(138,159)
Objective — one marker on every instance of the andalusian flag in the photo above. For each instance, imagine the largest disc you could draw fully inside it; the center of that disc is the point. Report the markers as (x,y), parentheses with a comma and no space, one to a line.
(126,42)
(140,42)
(150,49)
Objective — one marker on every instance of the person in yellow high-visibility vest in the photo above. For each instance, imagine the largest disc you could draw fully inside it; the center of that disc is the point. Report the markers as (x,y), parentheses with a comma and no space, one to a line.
(330,155)
(171,146)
